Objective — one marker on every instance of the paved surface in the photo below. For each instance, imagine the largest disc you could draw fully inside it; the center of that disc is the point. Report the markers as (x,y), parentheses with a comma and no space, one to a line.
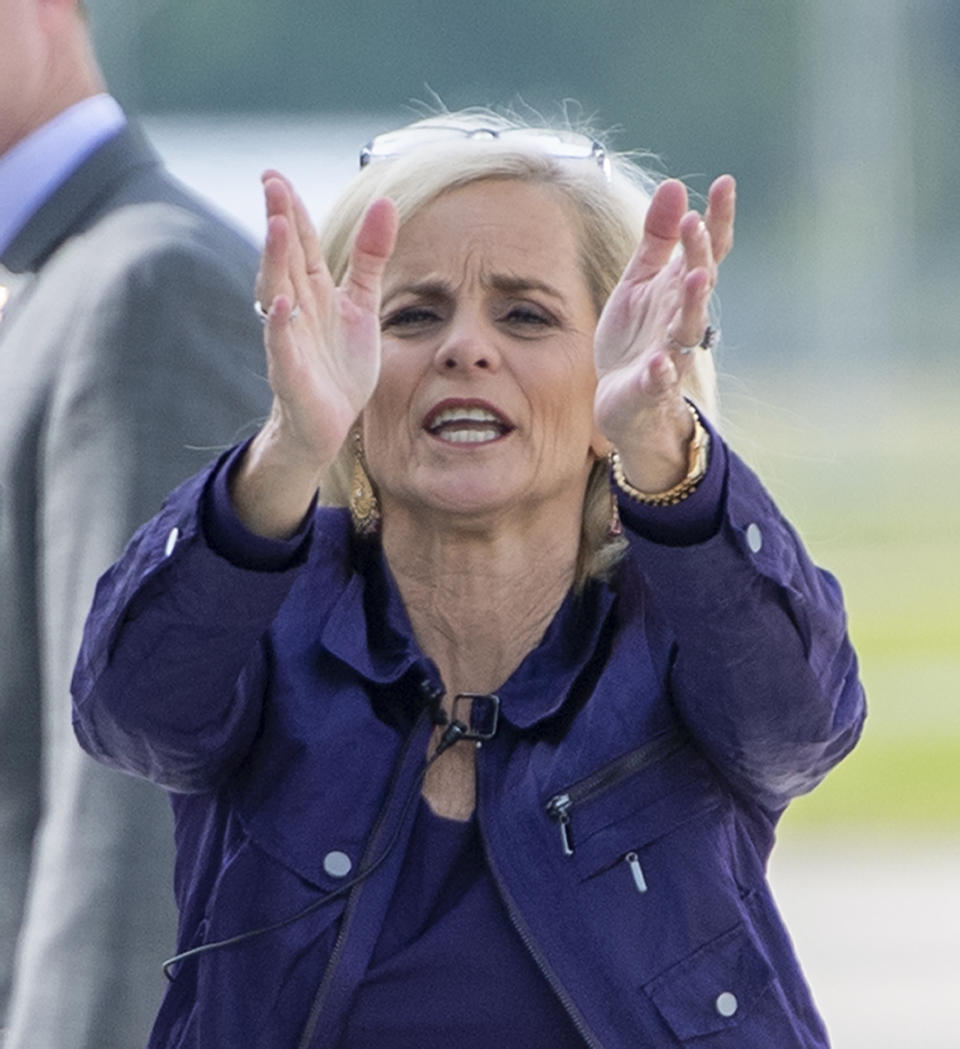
(877,928)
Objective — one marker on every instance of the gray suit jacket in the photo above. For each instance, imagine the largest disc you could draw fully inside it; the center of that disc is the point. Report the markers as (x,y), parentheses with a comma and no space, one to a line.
(129,354)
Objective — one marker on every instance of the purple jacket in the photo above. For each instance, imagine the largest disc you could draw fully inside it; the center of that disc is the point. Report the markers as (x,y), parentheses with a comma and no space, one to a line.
(627,800)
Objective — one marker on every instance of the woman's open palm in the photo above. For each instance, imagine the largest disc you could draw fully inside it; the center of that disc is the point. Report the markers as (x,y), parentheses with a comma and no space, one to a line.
(659,305)
(322,340)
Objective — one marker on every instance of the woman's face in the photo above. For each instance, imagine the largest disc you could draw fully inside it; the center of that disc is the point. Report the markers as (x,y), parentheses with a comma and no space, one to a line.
(484,405)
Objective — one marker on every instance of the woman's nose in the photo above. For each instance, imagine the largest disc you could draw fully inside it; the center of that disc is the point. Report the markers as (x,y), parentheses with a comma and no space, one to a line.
(469,345)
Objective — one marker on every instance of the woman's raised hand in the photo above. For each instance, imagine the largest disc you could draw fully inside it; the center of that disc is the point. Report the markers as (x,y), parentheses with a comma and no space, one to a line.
(660,307)
(323,355)
(322,341)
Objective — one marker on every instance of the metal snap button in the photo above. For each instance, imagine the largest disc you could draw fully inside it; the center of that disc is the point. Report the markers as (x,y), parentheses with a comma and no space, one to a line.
(754,537)
(337,864)
(726,1004)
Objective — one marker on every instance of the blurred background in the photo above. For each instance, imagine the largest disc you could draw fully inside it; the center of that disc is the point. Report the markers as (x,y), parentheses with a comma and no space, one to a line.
(840,314)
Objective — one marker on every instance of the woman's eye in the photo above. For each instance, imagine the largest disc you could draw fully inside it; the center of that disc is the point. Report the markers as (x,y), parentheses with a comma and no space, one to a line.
(528,316)
(409,317)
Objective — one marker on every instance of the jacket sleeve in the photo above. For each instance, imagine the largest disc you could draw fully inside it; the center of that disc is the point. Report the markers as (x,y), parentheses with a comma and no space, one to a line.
(170,677)
(763,673)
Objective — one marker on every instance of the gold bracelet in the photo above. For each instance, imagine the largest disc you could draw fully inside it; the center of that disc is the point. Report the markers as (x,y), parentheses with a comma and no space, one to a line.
(698,456)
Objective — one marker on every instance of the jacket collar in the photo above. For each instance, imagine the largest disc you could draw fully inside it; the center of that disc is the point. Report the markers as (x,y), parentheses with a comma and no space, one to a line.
(544,681)
(369,630)
(79,200)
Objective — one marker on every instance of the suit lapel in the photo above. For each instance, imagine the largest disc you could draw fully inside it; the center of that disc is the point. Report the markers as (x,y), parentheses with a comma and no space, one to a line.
(80,200)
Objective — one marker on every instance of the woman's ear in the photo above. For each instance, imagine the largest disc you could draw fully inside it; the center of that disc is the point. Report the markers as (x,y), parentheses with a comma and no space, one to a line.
(600,446)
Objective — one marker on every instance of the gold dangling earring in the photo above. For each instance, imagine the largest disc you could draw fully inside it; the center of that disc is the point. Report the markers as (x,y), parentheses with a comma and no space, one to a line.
(364,507)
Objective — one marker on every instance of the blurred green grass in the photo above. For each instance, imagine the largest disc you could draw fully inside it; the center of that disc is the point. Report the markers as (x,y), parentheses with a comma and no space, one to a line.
(866,475)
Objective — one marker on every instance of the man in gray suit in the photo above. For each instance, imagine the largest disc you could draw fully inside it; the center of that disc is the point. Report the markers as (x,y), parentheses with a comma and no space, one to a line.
(129,352)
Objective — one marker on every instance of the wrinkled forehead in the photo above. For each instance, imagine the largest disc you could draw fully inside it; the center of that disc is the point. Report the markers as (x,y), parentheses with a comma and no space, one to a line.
(491,232)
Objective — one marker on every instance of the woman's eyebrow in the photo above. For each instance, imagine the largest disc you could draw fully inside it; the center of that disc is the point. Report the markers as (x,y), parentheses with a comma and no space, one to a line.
(431,290)
(508,285)
(441,290)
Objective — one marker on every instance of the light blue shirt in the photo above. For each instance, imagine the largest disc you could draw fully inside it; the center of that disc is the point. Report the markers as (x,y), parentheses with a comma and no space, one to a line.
(32,169)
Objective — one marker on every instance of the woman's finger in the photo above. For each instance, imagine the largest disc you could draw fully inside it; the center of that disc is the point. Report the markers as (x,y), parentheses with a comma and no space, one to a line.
(697,246)
(306,231)
(688,327)
(372,248)
(273,277)
(720,214)
(280,204)
(702,240)
(661,231)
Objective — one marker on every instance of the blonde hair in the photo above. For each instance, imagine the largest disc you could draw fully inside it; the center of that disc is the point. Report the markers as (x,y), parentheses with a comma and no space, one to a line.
(609,212)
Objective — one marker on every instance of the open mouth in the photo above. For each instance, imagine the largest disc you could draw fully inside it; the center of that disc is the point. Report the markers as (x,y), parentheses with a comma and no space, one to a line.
(466,424)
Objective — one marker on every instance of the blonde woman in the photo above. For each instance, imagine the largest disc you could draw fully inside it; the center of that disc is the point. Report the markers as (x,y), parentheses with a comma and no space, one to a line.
(496,753)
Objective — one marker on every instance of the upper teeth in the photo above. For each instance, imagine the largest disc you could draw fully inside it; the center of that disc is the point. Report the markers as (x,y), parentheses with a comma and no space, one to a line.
(461,415)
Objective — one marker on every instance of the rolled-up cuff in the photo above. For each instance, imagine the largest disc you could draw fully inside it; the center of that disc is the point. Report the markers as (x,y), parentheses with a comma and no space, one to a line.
(229,537)
(694,519)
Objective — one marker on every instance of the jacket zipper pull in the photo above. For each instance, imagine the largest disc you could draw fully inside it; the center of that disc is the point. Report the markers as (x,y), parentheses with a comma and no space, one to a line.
(558,807)
(633,862)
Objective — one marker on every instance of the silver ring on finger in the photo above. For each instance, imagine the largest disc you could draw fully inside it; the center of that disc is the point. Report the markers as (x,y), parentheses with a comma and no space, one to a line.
(264,314)
(711,337)
(675,345)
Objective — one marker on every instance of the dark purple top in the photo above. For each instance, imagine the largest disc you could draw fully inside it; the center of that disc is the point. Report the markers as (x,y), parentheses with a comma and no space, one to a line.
(447,946)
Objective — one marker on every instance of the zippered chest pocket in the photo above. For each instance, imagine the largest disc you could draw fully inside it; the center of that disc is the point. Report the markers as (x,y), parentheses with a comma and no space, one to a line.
(661,779)
(609,816)
(648,843)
